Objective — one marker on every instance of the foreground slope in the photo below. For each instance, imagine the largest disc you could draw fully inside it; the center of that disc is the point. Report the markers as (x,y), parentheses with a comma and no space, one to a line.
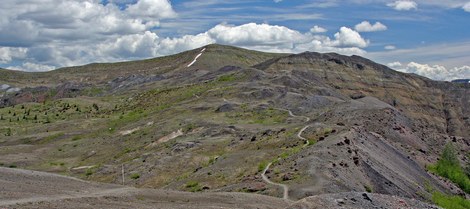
(214,118)
(46,190)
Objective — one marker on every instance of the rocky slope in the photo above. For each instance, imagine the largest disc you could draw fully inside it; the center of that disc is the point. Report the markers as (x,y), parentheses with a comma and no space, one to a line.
(214,123)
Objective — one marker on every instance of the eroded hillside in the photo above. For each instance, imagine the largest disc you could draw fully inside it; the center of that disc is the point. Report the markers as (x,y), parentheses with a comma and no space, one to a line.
(327,124)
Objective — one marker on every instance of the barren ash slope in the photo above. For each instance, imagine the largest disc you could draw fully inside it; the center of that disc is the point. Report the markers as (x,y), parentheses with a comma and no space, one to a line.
(345,130)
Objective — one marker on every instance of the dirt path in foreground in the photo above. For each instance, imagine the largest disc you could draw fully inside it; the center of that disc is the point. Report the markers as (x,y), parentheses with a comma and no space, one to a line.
(285,187)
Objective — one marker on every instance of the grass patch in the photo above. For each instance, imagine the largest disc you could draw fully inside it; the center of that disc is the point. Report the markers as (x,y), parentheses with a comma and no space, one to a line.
(327,131)
(449,167)
(211,161)
(193,186)
(135,176)
(450,202)
(284,155)
(127,118)
(51,137)
(76,138)
(57,163)
(89,172)
(227,78)
(262,165)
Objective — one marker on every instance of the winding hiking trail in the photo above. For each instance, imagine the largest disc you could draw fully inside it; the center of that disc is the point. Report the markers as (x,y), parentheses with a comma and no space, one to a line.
(284,187)
(299,135)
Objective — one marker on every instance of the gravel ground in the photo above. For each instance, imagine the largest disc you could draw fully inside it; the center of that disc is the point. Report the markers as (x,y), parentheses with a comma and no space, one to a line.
(32,189)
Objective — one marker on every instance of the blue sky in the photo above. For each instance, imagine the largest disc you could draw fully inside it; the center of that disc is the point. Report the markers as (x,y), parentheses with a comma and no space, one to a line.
(427,37)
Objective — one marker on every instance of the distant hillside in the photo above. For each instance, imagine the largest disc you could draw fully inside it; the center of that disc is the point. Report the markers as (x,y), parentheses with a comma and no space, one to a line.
(461,81)
(226,119)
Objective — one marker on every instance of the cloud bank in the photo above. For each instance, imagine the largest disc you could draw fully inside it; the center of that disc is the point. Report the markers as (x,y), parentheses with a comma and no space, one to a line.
(435,72)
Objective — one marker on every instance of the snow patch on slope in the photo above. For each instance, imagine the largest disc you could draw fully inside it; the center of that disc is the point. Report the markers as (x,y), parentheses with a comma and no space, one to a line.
(195,59)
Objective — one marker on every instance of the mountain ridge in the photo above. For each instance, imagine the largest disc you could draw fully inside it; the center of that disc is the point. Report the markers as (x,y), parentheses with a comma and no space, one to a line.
(176,123)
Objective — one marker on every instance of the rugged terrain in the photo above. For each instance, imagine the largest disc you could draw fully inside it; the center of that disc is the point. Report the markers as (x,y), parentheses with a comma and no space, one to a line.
(215,119)
(45,190)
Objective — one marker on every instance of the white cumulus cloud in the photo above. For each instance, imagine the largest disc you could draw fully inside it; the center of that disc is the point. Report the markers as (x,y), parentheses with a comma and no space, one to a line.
(405,5)
(346,37)
(435,72)
(365,26)
(394,65)
(152,9)
(318,29)
(252,33)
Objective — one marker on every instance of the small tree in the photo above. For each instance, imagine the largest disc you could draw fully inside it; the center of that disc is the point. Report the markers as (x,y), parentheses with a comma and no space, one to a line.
(449,156)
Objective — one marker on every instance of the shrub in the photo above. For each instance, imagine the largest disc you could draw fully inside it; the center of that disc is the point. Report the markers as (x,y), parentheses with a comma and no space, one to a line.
(135,176)
(89,172)
(193,186)
(449,167)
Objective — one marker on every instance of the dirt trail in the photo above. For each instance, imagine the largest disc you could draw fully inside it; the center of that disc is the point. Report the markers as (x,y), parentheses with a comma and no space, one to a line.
(284,187)
(299,135)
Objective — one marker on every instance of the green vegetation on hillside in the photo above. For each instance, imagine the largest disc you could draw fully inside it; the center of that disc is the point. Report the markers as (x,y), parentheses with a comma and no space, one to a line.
(450,201)
(449,167)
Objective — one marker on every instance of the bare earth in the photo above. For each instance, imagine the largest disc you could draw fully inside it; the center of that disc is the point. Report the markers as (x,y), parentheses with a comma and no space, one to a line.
(32,189)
